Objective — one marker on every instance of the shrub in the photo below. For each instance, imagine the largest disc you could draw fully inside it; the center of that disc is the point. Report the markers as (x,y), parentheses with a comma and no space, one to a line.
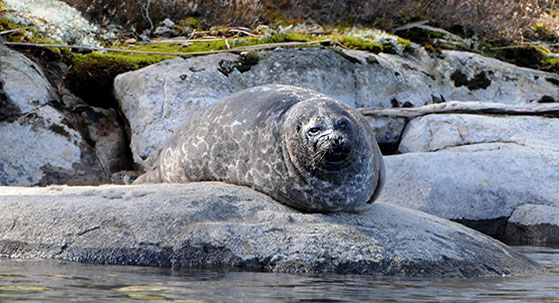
(496,19)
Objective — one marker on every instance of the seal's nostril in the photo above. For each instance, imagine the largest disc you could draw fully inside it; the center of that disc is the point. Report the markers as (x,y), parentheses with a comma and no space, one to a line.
(338,141)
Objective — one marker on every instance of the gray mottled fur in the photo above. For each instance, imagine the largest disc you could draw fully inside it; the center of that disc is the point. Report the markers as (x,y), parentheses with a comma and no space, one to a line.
(254,138)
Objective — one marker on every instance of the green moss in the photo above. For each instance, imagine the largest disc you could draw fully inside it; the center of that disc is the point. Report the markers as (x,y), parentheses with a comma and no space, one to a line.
(6,24)
(450,46)
(91,75)
(279,38)
(522,55)
(531,56)
(361,44)
(421,36)
(550,64)
(391,48)
(406,44)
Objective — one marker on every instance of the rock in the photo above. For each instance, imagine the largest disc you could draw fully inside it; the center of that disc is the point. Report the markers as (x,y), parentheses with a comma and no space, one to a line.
(54,19)
(388,131)
(214,224)
(533,224)
(124,177)
(39,144)
(480,182)
(481,171)
(439,132)
(108,136)
(472,77)
(158,98)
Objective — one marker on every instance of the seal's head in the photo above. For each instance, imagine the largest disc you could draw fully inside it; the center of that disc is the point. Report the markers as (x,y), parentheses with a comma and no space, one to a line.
(322,138)
(329,141)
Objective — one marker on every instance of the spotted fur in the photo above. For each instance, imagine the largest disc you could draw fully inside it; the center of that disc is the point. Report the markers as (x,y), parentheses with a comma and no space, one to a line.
(300,147)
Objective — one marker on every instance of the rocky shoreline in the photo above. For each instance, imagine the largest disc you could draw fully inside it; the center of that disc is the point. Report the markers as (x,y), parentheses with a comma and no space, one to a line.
(209,225)
(494,172)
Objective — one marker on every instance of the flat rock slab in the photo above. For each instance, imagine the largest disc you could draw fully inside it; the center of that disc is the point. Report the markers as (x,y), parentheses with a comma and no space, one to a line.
(433,133)
(473,182)
(219,225)
(497,174)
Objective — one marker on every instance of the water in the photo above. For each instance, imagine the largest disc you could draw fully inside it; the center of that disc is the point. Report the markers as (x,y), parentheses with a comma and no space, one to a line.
(55,281)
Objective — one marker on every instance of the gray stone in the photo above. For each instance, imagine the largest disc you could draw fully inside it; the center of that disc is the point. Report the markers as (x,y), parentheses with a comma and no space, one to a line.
(473,182)
(106,131)
(39,144)
(23,82)
(219,225)
(532,224)
(388,131)
(491,80)
(439,132)
(158,98)
(498,174)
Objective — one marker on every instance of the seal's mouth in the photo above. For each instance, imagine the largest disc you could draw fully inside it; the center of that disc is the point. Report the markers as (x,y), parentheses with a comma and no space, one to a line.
(337,158)
(337,155)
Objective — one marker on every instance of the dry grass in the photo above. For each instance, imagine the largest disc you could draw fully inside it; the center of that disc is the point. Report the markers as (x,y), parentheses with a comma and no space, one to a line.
(494,19)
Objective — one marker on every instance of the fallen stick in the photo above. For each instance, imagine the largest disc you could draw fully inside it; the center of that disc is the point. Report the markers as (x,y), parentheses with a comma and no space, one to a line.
(463,107)
(237,49)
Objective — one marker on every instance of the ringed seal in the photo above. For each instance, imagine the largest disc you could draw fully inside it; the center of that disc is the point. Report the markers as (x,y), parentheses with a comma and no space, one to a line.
(302,148)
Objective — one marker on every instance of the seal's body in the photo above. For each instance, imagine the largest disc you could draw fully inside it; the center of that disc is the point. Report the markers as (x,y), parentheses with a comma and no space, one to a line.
(300,147)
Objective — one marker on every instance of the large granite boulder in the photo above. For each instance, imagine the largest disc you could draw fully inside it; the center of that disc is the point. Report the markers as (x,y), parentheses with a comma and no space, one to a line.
(39,146)
(160,97)
(497,174)
(439,132)
(48,135)
(157,99)
(214,224)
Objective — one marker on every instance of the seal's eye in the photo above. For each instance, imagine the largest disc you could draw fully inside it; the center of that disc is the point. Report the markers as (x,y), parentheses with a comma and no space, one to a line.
(342,124)
(314,130)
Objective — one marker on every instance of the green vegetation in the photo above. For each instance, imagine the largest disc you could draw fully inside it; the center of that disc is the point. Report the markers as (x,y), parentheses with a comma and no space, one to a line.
(91,75)
(360,43)
(6,24)
(532,56)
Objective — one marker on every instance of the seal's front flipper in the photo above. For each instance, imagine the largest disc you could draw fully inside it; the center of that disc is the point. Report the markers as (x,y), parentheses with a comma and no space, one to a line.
(150,177)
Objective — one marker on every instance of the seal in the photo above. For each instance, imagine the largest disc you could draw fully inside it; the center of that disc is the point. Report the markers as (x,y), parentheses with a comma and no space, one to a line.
(302,148)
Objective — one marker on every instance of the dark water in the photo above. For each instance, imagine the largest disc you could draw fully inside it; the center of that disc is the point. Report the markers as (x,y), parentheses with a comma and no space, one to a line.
(54,281)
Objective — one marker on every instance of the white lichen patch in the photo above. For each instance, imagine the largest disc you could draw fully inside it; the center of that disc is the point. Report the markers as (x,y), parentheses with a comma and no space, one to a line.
(54,19)
(378,36)
(29,147)
(24,82)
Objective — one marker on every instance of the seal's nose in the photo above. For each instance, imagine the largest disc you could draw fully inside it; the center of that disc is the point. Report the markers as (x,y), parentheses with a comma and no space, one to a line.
(337,140)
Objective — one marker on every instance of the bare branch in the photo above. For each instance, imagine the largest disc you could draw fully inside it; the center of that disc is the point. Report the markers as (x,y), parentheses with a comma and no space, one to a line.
(462,107)
(232,50)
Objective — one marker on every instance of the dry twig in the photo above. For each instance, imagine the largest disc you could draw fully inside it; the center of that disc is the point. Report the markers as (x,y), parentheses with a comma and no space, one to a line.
(232,50)
(462,107)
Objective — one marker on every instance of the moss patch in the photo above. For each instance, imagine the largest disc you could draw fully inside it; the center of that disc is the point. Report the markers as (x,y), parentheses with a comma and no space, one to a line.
(361,44)
(421,36)
(526,56)
(91,76)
